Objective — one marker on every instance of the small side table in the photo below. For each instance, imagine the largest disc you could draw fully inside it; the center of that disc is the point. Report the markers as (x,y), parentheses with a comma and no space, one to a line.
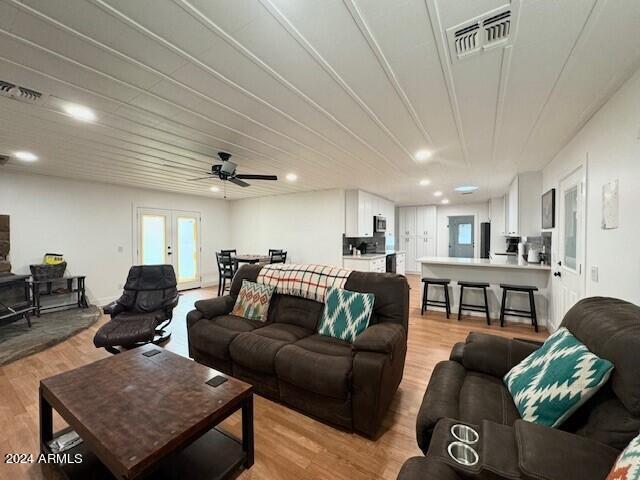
(79,290)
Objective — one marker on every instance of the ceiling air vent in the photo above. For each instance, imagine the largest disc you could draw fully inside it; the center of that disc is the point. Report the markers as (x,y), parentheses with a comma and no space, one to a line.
(493,29)
(496,28)
(17,92)
(466,39)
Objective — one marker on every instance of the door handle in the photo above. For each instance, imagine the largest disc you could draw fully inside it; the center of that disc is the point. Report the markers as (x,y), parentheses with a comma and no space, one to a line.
(557,274)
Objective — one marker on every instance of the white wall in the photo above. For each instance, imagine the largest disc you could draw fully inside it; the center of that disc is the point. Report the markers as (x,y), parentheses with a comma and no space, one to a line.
(88,222)
(308,225)
(479,210)
(610,141)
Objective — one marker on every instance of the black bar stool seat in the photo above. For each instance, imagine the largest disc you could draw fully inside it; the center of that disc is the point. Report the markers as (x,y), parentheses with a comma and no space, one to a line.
(471,307)
(437,281)
(515,312)
(519,288)
(441,282)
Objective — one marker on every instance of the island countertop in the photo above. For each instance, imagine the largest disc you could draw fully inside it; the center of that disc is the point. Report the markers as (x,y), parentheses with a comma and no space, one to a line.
(495,262)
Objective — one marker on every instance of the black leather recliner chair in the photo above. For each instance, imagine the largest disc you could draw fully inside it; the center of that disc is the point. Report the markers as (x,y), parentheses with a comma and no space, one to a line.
(468,389)
(143,311)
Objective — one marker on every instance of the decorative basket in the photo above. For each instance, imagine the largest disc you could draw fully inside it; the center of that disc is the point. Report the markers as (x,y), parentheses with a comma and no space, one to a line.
(48,272)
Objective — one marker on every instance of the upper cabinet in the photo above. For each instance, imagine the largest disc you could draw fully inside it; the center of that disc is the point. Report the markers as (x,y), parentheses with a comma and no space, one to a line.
(523,206)
(407,221)
(417,221)
(361,207)
(511,213)
(426,221)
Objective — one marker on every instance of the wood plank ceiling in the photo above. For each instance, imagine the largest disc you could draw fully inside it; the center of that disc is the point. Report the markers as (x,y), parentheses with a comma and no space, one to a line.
(342,93)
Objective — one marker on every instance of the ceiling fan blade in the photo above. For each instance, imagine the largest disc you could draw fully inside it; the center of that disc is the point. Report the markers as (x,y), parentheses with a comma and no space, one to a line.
(248,176)
(201,178)
(239,182)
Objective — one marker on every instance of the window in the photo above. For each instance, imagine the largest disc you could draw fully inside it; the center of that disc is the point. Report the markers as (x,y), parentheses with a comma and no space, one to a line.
(464,234)
(154,243)
(570,227)
(187,249)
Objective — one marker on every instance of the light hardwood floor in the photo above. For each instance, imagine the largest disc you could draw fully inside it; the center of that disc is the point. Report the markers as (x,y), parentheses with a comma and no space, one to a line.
(289,445)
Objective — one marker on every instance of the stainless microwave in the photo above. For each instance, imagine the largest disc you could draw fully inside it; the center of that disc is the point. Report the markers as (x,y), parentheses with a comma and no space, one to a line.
(379,224)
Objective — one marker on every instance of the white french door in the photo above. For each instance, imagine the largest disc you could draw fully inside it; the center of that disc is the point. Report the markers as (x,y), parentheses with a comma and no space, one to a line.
(569,272)
(170,237)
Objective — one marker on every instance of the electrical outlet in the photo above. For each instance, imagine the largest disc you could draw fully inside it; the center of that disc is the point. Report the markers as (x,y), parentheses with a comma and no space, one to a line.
(120,249)
(594,273)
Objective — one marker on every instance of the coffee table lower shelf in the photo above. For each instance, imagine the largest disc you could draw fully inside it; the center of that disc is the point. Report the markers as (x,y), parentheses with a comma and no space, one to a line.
(216,455)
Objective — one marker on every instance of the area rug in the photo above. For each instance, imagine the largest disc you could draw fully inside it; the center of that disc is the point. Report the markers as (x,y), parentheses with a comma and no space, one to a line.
(17,340)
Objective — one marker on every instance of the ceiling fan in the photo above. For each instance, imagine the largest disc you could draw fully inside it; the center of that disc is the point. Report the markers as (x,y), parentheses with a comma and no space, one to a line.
(227,172)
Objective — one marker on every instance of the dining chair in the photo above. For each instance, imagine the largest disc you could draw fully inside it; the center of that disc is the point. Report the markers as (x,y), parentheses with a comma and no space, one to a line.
(232,252)
(275,250)
(277,256)
(226,269)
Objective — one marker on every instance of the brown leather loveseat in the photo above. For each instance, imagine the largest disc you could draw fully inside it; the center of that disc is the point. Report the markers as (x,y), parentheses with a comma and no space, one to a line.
(349,385)
(468,389)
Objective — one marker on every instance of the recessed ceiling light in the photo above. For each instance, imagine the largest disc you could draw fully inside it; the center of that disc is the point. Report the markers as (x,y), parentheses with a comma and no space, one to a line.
(466,188)
(444,201)
(25,156)
(422,155)
(437,193)
(79,112)
(292,177)
(214,189)
(425,181)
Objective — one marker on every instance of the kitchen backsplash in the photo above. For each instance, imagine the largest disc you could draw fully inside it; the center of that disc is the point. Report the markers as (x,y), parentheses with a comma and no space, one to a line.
(538,243)
(375,244)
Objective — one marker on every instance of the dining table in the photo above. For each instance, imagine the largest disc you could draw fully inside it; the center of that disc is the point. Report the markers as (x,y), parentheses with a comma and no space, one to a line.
(251,258)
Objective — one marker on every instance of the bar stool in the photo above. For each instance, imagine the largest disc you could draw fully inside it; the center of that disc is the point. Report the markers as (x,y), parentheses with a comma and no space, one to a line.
(474,307)
(531,313)
(442,282)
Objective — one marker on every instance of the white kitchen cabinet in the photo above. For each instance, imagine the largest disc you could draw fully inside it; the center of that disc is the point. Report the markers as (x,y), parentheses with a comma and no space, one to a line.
(417,221)
(425,247)
(400,263)
(522,205)
(361,207)
(407,221)
(417,234)
(364,264)
(512,208)
(408,244)
(426,221)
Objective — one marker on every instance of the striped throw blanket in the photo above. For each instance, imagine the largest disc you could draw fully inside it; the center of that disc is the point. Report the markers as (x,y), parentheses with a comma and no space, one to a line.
(307,281)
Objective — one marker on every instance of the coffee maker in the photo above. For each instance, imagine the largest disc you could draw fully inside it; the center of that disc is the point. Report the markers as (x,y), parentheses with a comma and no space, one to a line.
(512,244)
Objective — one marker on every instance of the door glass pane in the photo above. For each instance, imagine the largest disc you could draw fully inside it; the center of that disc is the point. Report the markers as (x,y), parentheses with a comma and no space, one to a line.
(464,234)
(187,249)
(153,239)
(570,227)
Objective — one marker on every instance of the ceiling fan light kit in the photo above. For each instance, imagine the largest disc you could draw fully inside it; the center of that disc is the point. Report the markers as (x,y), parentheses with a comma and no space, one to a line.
(226,171)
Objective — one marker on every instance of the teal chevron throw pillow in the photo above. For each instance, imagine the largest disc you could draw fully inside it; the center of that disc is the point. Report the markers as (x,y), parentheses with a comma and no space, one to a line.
(551,383)
(346,314)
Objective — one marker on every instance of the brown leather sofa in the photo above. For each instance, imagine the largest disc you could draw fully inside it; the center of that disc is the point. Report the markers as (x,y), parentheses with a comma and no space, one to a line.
(349,385)
(468,389)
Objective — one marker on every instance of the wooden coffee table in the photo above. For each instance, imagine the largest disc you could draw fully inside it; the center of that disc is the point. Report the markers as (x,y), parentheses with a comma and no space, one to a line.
(147,414)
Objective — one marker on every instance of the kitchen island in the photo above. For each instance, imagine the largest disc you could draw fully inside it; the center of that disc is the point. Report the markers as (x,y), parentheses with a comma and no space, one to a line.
(495,270)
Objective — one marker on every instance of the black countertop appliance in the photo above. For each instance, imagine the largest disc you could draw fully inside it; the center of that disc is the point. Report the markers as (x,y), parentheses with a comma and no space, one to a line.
(391,263)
